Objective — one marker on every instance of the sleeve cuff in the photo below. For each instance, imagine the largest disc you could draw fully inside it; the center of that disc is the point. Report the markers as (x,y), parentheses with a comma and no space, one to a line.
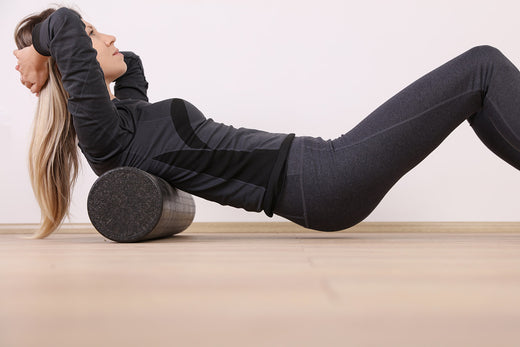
(36,41)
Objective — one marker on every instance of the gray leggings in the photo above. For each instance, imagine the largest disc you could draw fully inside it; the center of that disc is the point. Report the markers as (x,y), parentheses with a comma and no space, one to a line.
(335,184)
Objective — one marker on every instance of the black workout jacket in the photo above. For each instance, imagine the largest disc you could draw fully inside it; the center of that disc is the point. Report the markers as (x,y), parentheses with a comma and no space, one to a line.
(171,139)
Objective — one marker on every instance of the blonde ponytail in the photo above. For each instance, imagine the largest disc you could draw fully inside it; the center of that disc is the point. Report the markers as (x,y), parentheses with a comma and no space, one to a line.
(53,154)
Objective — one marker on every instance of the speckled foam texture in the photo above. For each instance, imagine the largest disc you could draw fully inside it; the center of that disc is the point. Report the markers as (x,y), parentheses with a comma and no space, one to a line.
(129,205)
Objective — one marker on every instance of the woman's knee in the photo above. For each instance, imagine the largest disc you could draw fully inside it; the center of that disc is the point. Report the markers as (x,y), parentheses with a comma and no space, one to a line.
(487,53)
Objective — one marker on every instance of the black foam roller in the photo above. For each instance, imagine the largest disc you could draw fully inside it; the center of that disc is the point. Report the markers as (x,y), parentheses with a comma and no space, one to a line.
(130,205)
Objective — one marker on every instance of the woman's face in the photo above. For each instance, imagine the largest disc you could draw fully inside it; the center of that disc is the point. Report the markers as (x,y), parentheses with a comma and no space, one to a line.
(111,61)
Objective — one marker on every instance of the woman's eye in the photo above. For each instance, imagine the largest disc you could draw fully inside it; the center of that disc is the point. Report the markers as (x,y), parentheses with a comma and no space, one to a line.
(91,33)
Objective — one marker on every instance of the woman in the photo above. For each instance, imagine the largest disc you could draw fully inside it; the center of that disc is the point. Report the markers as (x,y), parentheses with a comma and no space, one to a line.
(320,184)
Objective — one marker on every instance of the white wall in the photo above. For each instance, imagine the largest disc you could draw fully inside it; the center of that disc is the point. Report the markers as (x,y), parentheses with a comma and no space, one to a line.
(309,67)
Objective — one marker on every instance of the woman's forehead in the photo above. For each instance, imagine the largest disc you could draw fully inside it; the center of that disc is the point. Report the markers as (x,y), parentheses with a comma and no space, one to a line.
(87,24)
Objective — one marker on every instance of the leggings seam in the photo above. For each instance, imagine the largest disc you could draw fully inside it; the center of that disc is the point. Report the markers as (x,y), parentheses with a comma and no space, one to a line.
(503,122)
(406,120)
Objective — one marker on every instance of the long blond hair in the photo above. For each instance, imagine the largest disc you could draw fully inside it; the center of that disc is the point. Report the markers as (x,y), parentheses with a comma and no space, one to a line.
(53,152)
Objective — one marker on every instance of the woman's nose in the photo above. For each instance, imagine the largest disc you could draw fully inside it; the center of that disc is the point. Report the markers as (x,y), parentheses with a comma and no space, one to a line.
(110,39)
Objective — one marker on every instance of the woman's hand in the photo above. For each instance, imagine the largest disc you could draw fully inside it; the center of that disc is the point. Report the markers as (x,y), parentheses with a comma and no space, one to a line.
(33,68)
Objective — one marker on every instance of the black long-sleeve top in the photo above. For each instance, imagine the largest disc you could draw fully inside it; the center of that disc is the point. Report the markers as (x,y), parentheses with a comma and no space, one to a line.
(171,139)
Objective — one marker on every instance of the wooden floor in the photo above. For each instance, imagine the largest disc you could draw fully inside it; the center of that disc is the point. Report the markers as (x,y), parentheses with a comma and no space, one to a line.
(262,289)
